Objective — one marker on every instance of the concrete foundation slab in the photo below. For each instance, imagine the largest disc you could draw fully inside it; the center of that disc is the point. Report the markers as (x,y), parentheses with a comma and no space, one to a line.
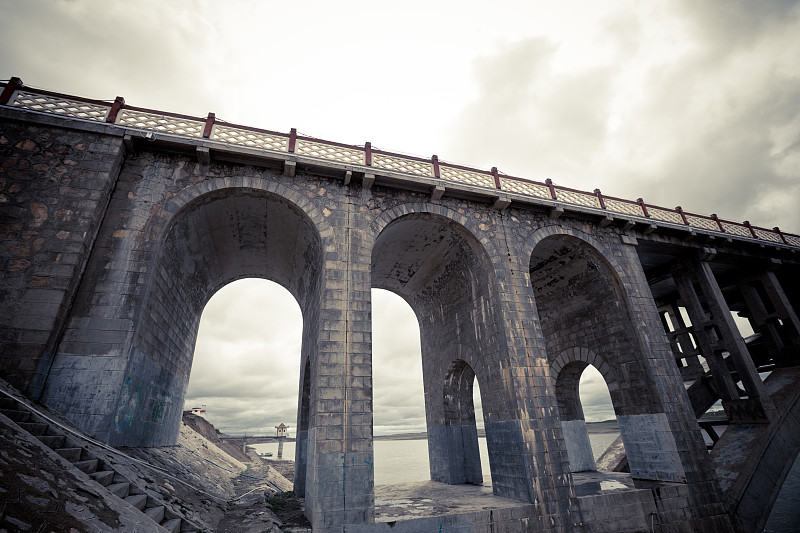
(432,498)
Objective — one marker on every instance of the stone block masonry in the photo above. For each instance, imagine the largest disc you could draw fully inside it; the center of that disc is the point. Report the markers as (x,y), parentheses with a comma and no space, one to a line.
(112,247)
(55,184)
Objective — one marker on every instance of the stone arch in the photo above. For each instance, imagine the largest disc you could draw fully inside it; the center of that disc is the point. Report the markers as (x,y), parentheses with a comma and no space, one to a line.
(390,215)
(459,418)
(194,192)
(584,311)
(566,371)
(428,257)
(215,233)
(596,244)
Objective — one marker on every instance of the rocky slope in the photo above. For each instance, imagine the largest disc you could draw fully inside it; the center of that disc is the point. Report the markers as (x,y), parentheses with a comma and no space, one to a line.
(193,486)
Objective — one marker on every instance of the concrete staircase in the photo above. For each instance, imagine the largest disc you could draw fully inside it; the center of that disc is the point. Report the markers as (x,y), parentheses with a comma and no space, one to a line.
(73,450)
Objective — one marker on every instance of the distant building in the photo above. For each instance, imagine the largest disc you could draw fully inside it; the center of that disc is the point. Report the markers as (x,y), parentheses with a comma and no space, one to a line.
(195,411)
(282,430)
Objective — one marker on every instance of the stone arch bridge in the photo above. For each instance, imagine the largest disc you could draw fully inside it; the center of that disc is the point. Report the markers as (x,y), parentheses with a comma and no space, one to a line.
(119,223)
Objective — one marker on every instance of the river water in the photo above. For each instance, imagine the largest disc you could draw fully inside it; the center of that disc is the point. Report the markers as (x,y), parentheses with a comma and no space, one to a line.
(402,461)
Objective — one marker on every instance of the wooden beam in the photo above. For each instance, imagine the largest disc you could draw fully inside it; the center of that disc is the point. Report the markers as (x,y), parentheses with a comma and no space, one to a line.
(203,155)
(501,203)
(368,181)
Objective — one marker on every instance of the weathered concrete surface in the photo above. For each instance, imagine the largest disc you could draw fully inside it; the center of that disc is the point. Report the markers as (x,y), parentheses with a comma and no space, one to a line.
(54,189)
(512,296)
(40,490)
(579,448)
(752,461)
(198,482)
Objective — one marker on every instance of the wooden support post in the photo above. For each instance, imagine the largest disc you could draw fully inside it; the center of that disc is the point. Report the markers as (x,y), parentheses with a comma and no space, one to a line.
(684,339)
(703,336)
(731,339)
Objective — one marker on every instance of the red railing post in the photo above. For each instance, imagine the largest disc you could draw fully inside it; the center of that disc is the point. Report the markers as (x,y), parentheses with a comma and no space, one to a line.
(683,216)
(368,154)
(116,107)
(209,125)
(777,230)
(435,162)
(550,186)
(292,139)
(715,218)
(644,207)
(13,84)
(600,198)
(750,227)
(496,176)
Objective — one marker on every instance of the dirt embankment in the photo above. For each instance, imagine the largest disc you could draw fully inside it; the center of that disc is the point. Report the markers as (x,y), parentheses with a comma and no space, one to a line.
(199,480)
(207,430)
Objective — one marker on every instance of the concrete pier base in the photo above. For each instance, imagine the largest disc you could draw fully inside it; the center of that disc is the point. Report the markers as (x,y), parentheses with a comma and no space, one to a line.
(609,501)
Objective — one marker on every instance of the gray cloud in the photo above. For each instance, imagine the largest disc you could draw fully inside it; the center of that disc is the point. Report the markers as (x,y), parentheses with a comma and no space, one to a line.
(691,103)
(697,107)
(246,366)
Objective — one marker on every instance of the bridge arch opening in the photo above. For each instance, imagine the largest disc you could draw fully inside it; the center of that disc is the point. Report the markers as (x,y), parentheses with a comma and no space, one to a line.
(220,237)
(464,456)
(580,385)
(585,320)
(246,359)
(444,273)
(398,395)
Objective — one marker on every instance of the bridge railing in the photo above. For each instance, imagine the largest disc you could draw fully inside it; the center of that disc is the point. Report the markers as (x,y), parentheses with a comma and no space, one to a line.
(19,96)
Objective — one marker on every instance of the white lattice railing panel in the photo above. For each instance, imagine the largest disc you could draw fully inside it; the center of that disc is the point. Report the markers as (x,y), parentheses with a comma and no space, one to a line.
(525,187)
(401,164)
(329,151)
(793,240)
(736,229)
(664,214)
(466,176)
(60,106)
(702,223)
(768,235)
(623,207)
(577,198)
(164,123)
(253,139)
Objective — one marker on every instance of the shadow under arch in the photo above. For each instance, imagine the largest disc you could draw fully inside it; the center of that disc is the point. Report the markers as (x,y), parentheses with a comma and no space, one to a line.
(583,309)
(218,237)
(445,274)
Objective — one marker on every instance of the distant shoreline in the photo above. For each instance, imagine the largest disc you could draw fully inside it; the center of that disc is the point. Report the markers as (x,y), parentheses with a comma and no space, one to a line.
(606,426)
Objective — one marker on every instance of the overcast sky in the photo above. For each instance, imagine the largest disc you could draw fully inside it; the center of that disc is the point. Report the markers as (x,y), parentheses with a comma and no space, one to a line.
(681,103)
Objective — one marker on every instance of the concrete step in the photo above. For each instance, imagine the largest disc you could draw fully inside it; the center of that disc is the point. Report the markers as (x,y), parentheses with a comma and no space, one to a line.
(173,526)
(70,454)
(53,441)
(104,477)
(120,490)
(156,513)
(36,429)
(87,466)
(137,500)
(17,415)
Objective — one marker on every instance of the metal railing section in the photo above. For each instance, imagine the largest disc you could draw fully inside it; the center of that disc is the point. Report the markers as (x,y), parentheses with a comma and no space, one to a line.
(16,95)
